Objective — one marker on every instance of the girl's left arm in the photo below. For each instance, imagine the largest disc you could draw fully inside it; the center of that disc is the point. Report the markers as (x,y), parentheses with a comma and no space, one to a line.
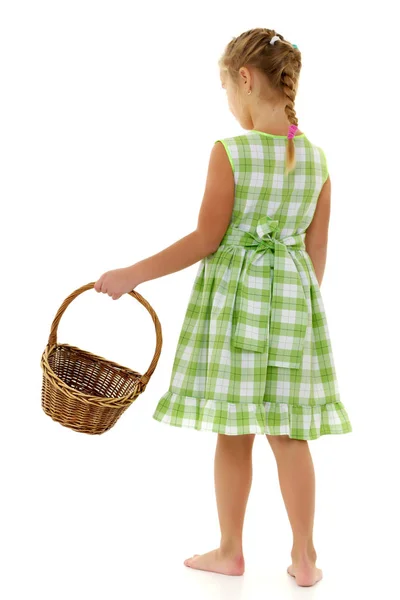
(213,220)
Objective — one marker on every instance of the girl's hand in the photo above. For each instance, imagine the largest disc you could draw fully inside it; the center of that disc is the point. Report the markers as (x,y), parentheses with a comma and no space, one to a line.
(117,282)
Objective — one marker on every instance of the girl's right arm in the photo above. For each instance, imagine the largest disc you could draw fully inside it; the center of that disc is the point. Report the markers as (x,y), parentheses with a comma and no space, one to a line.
(316,239)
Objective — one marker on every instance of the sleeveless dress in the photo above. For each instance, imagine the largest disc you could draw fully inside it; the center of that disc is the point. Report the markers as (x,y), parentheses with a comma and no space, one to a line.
(254,353)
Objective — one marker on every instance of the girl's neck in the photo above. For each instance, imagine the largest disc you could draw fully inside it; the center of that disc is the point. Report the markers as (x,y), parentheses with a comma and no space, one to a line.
(275,124)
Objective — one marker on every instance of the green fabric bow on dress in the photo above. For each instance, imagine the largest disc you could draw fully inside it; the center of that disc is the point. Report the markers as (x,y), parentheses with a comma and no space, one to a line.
(270,310)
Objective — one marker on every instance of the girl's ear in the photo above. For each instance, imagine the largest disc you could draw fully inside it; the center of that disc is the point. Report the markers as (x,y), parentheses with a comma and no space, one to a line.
(245,77)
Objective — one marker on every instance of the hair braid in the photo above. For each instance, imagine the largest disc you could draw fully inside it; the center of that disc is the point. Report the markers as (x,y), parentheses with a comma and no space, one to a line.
(289,87)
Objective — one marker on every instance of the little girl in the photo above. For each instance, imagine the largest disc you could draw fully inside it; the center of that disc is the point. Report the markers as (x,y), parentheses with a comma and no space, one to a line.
(254,354)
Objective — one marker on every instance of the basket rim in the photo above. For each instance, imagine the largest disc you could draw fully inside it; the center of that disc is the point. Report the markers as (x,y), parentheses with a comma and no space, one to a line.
(77,394)
(52,340)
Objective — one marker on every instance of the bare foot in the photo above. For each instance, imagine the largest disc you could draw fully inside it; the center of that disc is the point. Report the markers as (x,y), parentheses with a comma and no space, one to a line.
(217,562)
(305,573)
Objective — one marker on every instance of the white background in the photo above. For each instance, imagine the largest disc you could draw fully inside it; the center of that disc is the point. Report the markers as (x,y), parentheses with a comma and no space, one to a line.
(109,111)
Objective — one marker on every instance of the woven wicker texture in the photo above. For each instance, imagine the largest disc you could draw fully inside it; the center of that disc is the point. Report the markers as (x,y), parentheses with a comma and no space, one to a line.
(86,392)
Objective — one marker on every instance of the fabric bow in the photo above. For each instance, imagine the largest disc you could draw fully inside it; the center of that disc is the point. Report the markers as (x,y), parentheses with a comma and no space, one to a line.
(270,309)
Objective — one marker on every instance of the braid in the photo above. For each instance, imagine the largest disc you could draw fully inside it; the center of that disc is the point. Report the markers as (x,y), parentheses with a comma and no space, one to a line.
(289,89)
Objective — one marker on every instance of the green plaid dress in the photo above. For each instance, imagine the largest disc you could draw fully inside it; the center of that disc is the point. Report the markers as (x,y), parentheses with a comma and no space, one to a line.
(254,353)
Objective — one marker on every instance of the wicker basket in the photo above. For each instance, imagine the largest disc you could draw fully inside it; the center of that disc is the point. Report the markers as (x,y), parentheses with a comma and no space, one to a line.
(86,392)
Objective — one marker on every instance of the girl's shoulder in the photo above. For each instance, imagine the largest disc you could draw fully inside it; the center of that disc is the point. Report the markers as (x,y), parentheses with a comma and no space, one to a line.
(237,139)
(236,146)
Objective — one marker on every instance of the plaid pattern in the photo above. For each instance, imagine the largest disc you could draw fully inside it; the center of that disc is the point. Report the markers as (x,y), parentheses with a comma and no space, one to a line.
(254,353)
(270,312)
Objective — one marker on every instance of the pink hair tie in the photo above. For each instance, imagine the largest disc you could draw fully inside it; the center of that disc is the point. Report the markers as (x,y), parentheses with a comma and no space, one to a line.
(292,131)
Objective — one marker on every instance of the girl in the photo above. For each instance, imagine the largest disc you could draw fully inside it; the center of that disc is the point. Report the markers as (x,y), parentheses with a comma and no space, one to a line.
(254,354)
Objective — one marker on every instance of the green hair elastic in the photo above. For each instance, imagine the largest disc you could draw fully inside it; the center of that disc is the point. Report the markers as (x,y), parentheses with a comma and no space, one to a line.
(294,46)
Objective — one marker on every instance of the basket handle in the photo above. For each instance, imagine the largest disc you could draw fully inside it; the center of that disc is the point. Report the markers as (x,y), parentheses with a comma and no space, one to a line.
(53,332)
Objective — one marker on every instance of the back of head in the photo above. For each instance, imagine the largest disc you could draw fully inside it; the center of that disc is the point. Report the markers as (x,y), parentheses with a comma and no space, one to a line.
(279,63)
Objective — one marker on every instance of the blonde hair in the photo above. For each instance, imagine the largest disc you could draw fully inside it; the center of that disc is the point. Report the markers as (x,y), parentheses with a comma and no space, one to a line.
(281,64)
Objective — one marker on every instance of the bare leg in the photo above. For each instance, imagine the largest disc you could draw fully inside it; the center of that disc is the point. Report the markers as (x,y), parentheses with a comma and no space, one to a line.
(233,471)
(297,483)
